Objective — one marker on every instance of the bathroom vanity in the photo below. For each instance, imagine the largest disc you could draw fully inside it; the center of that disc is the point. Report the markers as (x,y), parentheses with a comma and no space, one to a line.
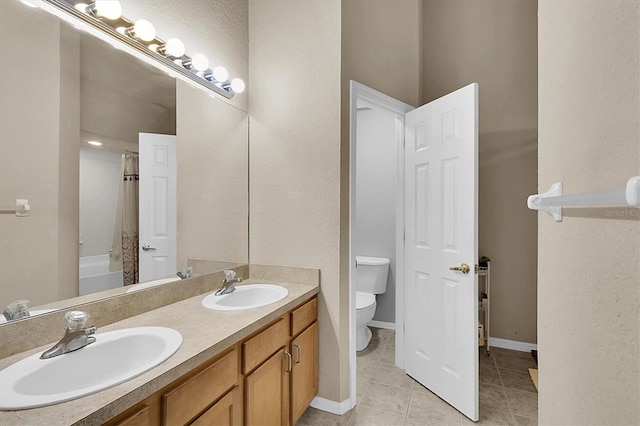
(268,378)
(255,366)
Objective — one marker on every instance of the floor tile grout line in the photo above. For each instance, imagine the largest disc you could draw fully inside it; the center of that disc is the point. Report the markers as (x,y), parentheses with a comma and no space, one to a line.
(506,398)
(500,377)
(390,385)
(406,413)
(514,369)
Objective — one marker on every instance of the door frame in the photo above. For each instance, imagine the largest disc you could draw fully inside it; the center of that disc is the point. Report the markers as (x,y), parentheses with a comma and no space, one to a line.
(361,93)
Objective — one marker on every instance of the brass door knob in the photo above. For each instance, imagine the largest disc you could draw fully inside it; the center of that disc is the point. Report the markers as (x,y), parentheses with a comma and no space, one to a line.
(464,268)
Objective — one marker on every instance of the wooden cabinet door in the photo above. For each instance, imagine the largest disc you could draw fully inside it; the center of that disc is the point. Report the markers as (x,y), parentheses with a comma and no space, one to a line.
(226,412)
(304,376)
(267,392)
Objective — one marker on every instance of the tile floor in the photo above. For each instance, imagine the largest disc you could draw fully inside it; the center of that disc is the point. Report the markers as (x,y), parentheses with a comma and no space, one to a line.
(387,396)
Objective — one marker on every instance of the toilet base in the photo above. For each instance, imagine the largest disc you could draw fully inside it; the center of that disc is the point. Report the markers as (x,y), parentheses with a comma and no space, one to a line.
(363,336)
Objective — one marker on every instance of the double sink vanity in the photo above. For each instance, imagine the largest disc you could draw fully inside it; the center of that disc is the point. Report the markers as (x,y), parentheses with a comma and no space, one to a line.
(246,357)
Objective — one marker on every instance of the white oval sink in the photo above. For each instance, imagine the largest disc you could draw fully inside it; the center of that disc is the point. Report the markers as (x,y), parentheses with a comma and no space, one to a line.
(247,296)
(115,357)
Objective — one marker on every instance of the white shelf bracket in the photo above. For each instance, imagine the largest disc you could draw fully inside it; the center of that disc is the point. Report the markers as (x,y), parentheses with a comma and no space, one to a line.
(534,202)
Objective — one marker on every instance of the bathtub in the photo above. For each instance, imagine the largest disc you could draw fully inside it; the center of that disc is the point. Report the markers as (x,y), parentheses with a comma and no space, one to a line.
(95,275)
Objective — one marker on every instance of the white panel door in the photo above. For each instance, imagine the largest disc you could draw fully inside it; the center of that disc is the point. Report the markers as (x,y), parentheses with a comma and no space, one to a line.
(441,305)
(157,212)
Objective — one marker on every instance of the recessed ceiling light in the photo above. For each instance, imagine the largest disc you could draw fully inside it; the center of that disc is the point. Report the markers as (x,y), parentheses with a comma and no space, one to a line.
(95,143)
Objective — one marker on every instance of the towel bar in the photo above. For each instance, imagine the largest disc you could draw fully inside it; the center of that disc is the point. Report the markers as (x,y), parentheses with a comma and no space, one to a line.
(21,209)
(553,200)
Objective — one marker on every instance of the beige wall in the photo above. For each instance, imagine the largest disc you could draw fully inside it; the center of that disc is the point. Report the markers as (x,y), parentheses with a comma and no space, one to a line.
(213,174)
(381,48)
(493,42)
(294,99)
(589,298)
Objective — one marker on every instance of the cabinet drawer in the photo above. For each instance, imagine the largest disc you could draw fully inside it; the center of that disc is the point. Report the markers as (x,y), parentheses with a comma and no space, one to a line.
(264,344)
(304,316)
(190,398)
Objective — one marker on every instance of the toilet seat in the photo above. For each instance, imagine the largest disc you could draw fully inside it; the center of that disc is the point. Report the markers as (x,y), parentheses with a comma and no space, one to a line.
(364,300)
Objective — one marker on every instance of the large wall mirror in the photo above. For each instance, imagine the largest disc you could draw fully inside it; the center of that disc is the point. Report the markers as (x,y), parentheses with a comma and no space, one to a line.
(61,89)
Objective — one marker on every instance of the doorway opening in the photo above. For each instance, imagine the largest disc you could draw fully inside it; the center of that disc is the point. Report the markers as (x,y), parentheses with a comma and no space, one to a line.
(436,211)
(377,138)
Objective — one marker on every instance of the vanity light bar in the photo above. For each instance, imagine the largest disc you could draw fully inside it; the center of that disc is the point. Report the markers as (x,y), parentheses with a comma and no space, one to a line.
(122,33)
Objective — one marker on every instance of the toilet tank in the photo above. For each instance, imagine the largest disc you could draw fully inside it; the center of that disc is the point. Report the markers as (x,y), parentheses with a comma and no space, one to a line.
(371,274)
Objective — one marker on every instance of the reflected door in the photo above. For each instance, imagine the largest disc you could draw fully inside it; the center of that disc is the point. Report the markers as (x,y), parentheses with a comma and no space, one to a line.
(441,305)
(157,211)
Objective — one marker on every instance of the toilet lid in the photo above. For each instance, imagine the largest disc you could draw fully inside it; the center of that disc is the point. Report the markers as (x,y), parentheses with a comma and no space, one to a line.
(364,300)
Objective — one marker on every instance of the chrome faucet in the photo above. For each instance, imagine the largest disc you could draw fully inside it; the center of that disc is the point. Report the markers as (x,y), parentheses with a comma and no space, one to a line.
(229,283)
(76,336)
(17,310)
(185,273)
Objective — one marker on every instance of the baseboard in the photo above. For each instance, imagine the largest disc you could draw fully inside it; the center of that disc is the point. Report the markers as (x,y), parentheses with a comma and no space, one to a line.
(512,344)
(333,407)
(382,324)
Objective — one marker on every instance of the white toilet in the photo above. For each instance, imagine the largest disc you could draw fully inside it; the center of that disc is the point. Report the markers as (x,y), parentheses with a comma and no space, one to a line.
(371,279)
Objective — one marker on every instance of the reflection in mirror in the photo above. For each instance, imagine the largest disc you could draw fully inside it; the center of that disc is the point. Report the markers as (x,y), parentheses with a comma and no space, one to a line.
(115,200)
(70,89)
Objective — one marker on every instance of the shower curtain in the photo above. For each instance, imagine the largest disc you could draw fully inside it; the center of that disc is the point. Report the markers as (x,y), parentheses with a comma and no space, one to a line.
(124,251)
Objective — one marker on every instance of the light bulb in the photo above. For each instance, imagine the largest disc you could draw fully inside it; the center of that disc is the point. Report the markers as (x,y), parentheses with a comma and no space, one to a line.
(174,47)
(200,62)
(237,85)
(144,30)
(220,74)
(110,9)
(82,7)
